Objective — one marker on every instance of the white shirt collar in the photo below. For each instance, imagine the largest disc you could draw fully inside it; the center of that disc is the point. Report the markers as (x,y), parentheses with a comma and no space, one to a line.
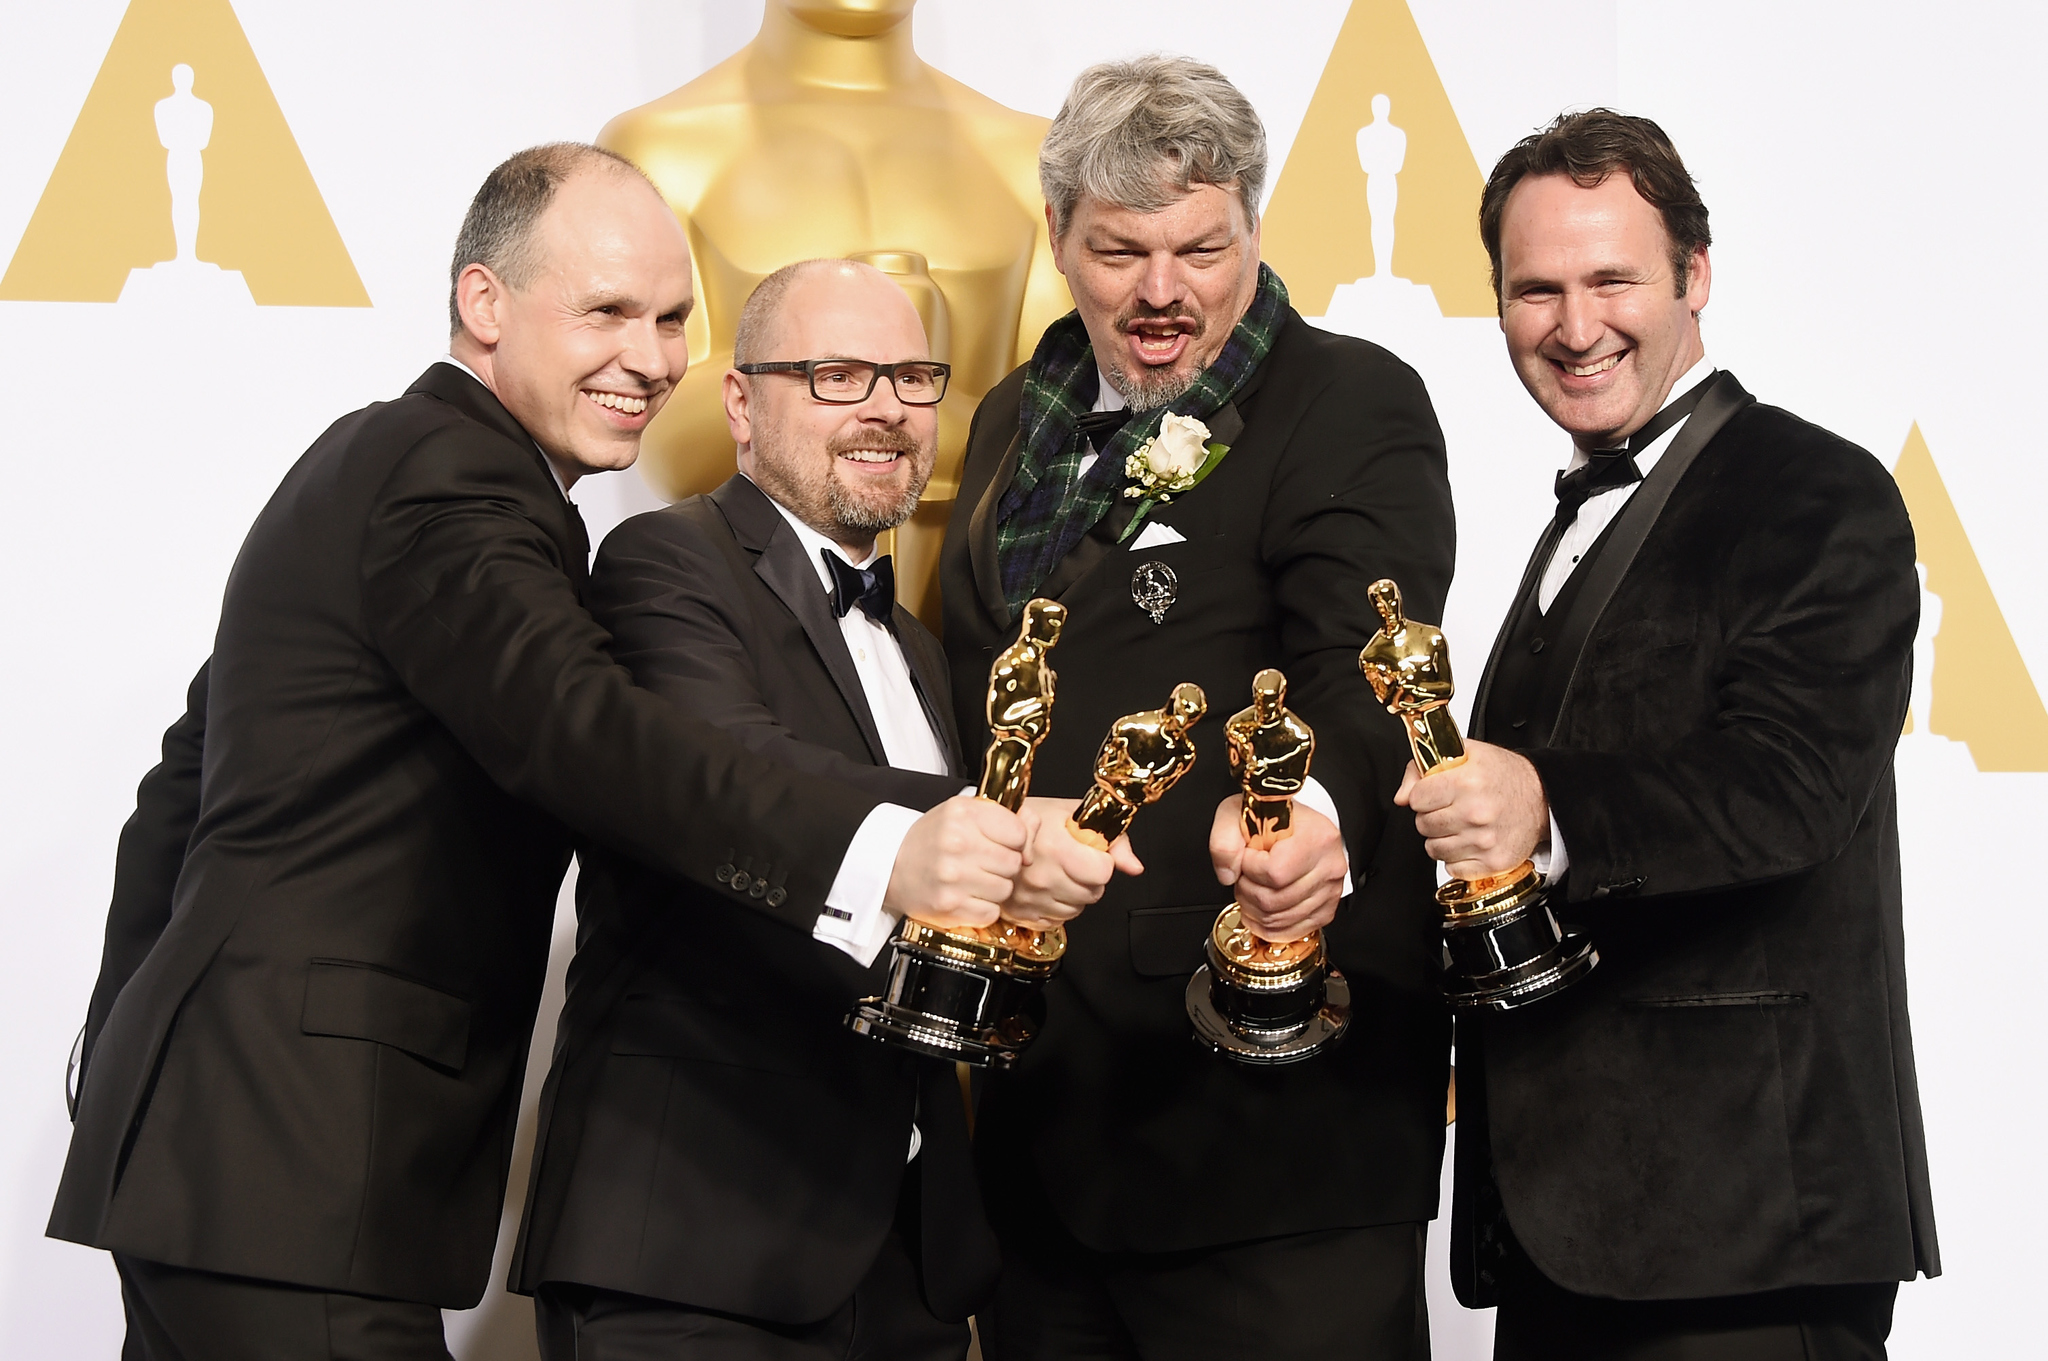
(1647,459)
(552,471)
(813,542)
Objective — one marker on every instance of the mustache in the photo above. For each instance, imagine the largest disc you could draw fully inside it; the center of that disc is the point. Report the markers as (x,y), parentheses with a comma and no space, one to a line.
(891,438)
(1173,312)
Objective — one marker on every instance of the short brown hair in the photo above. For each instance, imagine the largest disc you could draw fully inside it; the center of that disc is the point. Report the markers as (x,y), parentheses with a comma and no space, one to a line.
(497,231)
(1589,147)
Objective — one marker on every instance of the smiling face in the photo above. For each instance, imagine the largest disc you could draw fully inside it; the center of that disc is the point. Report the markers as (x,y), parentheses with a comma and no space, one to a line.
(847,471)
(1594,322)
(588,350)
(1159,292)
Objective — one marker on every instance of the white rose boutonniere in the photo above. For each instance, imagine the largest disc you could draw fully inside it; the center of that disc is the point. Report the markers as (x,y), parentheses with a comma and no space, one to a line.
(1170,463)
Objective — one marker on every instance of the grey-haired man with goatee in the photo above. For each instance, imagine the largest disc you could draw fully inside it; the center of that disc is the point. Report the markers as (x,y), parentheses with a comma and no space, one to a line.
(1154,1199)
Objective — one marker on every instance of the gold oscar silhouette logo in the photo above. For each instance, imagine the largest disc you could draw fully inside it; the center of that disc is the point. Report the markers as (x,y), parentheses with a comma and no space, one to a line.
(1970,683)
(1377,206)
(182,180)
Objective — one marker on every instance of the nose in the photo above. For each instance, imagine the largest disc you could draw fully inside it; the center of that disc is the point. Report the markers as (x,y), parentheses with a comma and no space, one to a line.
(1160,286)
(648,356)
(883,406)
(1579,326)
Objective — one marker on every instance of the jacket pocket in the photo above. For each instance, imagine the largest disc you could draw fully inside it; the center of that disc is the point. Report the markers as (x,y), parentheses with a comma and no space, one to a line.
(1168,940)
(358,1001)
(650,1025)
(1723,999)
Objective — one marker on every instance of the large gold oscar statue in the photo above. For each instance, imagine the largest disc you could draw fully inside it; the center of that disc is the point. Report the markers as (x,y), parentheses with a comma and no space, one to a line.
(828,136)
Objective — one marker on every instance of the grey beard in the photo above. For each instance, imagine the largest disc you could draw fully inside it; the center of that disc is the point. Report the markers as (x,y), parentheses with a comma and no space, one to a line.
(849,513)
(1147,393)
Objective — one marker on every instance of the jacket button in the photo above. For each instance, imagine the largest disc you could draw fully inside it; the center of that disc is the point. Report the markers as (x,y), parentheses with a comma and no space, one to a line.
(1536,646)
(740,880)
(777,897)
(758,890)
(723,874)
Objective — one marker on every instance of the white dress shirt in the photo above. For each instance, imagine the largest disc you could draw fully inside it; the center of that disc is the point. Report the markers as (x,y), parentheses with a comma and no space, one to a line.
(1579,537)
(854,919)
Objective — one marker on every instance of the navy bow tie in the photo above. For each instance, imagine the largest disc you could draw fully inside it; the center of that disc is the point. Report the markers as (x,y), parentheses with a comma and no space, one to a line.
(873,587)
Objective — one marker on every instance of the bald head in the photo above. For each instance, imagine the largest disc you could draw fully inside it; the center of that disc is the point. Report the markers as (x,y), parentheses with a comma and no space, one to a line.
(846,469)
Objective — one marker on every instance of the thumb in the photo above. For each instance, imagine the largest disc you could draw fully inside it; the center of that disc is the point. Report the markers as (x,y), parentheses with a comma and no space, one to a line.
(1125,857)
(1409,779)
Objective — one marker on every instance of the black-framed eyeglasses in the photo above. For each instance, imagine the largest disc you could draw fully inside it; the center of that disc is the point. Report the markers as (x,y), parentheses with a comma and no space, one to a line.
(848,382)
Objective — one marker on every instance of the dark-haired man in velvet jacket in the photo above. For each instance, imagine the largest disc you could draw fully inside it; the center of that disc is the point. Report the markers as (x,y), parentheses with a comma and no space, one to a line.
(1712,1146)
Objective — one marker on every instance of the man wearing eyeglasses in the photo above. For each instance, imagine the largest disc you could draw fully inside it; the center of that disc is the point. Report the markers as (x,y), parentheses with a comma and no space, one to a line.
(724,1168)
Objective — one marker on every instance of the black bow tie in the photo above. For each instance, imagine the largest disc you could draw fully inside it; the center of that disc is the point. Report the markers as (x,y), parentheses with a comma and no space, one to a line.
(873,587)
(1101,426)
(1611,468)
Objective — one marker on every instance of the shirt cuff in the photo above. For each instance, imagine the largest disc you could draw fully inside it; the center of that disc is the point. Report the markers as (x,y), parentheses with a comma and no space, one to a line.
(854,919)
(1313,795)
(1553,860)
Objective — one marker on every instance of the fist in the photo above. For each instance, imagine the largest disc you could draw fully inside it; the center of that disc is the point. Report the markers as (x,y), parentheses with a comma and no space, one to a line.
(1483,817)
(1290,890)
(958,864)
(1062,873)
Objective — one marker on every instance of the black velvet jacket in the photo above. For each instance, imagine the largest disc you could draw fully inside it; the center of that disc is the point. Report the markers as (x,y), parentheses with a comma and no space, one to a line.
(1727,1105)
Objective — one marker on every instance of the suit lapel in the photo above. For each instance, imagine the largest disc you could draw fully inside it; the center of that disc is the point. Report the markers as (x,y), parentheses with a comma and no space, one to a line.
(981,533)
(928,672)
(1532,579)
(1717,407)
(784,569)
(480,404)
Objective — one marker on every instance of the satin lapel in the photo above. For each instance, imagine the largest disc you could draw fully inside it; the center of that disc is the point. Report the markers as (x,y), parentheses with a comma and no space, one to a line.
(1720,405)
(981,535)
(928,671)
(1532,578)
(782,565)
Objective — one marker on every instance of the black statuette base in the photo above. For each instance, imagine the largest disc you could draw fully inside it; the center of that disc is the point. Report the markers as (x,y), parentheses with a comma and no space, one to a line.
(944,1009)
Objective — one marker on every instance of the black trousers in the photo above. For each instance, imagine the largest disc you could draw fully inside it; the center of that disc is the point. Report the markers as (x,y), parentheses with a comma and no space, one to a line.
(1336,1295)
(178,1314)
(886,1320)
(1539,1320)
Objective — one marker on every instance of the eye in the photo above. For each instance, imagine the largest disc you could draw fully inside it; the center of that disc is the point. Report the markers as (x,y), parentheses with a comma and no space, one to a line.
(838,378)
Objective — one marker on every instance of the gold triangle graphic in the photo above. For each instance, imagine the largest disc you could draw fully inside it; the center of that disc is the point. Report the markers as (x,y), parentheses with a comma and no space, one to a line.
(1316,231)
(107,207)
(1982,693)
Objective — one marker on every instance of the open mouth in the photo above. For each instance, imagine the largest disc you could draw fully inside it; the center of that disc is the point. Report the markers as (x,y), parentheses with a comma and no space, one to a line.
(617,401)
(871,458)
(1159,342)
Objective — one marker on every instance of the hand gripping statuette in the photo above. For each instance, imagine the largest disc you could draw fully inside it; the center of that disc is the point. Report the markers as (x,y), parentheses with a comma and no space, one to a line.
(973,994)
(1502,946)
(1260,1001)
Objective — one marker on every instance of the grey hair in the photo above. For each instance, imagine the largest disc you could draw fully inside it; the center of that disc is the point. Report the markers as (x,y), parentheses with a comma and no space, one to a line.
(498,230)
(1140,133)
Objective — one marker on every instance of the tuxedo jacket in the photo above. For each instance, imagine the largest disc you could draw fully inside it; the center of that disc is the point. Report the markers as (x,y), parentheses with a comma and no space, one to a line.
(335,896)
(1727,1104)
(1137,1137)
(712,1133)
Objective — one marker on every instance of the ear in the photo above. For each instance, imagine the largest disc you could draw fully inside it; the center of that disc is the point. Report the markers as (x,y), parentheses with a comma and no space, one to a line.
(480,298)
(1052,239)
(1699,282)
(739,410)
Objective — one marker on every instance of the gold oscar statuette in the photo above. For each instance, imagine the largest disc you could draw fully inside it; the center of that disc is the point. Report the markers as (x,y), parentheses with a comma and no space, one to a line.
(1502,945)
(1261,1001)
(973,994)
(1144,755)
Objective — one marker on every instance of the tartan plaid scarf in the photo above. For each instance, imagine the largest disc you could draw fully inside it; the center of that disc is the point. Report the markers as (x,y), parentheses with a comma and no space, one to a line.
(1050,506)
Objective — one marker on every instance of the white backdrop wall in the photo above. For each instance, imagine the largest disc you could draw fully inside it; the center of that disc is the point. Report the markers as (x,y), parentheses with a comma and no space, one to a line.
(1870,169)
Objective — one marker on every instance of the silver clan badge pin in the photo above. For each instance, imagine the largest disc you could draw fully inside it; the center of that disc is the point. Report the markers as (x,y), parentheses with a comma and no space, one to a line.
(1155,588)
